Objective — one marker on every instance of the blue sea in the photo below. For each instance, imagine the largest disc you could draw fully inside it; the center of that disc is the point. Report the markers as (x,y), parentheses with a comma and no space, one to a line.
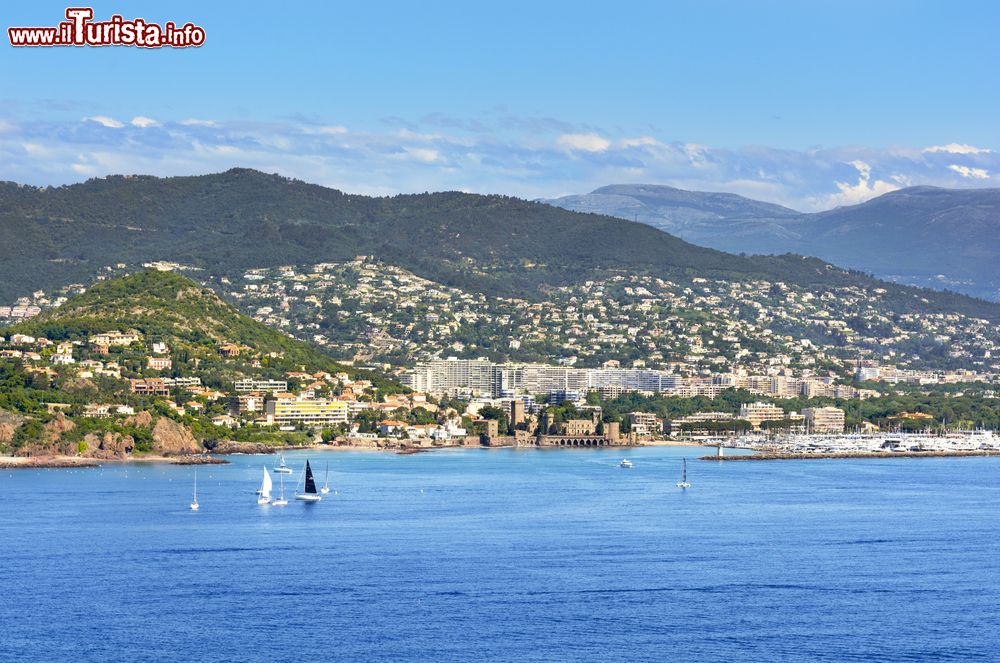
(512,555)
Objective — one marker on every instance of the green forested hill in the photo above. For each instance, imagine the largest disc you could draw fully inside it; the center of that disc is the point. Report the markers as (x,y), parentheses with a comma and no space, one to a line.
(239,219)
(166,307)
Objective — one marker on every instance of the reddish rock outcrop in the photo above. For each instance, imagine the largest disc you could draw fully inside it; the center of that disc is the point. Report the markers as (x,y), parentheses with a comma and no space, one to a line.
(59,425)
(171,438)
(140,420)
(51,438)
(108,445)
(232,447)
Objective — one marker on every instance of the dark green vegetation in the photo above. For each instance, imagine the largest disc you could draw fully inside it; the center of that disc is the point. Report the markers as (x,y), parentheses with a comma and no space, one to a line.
(192,320)
(239,219)
(164,307)
(942,238)
(25,419)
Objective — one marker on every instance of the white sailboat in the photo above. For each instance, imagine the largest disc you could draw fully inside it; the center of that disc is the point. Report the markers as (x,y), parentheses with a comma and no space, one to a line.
(264,494)
(282,468)
(309,493)
(326,481)
(683,483)
(194,501)
(281,501)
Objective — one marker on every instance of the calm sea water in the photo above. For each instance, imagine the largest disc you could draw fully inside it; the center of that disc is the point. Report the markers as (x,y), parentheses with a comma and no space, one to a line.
(506,555)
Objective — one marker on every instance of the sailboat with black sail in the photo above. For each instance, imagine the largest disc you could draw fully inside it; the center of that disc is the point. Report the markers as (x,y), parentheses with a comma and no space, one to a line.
(309,492)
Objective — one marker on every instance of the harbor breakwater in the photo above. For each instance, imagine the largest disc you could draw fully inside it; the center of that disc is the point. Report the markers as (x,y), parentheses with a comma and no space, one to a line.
(853,454)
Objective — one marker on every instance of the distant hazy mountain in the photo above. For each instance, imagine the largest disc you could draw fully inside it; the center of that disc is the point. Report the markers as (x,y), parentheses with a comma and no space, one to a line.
(674,210)
(942,238)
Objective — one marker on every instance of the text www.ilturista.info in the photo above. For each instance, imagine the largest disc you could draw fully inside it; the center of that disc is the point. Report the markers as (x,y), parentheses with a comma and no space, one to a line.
(81,30)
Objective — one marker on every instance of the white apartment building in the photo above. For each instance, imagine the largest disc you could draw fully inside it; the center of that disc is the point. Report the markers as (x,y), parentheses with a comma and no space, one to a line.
(824,419)
(757,413)
(246,386)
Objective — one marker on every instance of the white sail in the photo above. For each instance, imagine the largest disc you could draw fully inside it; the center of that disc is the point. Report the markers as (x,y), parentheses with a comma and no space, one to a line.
(326,482)
(194,500)
(265,486)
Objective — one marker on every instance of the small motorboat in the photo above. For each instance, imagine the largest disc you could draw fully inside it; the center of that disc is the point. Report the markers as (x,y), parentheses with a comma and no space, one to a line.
(626,463)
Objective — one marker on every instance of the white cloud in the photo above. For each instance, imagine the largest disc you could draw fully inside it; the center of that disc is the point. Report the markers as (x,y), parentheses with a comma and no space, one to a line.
(590,142)
(331,130)
(193,122)
(325,130)
(532,162)
(642,141)
(412,135)
(697,154)
(958,148)
(36,150)
(106,121)
(142,122)
(423,154)
(966,171)
(865,189)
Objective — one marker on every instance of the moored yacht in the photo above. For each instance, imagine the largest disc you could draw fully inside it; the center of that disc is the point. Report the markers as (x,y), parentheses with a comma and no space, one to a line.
(326,480)
(282,468)
(281,501)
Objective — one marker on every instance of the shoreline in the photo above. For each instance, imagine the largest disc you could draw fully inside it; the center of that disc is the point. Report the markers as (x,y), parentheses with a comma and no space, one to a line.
(853,454)
(56,462)
(672,443)
(217,457)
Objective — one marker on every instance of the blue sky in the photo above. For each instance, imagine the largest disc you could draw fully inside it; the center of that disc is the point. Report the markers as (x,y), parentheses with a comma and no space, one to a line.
(809,104)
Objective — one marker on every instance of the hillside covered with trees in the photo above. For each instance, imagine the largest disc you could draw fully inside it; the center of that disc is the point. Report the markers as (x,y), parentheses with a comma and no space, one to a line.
(228,222)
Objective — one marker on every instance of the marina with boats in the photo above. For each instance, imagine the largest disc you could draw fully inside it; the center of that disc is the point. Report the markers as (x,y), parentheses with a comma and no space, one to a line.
(958,443)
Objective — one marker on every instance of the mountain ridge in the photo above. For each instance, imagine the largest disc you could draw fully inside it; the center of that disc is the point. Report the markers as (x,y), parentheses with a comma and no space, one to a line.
(240,219)
(922,235)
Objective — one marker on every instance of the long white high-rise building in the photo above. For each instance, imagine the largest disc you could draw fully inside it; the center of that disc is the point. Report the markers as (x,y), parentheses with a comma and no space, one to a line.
(480,377)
